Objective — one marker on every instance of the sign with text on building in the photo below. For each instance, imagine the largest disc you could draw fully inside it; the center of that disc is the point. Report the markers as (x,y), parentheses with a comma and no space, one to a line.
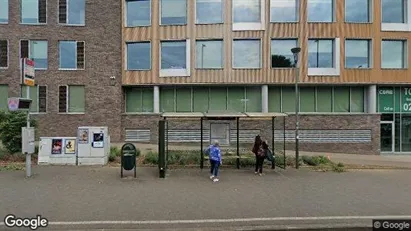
(28,72)
(394,99)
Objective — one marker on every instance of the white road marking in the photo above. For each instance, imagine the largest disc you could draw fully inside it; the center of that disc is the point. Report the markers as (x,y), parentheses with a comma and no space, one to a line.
(155,222)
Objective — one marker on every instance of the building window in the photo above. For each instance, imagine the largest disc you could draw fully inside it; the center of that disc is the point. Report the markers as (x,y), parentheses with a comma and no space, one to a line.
(138,56)
(247,53)
(72,12)
(138,13)
(71,99)
(71,55)
(393,11)
(358,11)
(281,56)
(38,95)
(4,11)
(209,11)
(4,54)
(209,54)
(320,10)
(139,100)
(358,53)
(33,11)
(394,54)
(173,12)
(320,53)
(175,59)
(246,11)
(284,10)
(4,95)
(36,50)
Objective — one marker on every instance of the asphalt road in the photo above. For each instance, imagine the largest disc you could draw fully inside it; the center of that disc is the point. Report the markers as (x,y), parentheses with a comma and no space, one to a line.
(188,199)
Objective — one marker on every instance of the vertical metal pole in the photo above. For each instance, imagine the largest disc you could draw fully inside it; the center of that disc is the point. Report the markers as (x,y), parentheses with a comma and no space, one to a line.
(284,140)
(297,108)
(201,146)
(238,142)
(28,155)
(272,141)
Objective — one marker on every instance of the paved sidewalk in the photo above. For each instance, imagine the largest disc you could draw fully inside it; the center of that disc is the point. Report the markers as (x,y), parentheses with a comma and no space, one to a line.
(188,199)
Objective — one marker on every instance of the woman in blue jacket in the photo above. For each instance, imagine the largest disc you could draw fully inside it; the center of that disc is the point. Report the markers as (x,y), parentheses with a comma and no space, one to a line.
(214,153)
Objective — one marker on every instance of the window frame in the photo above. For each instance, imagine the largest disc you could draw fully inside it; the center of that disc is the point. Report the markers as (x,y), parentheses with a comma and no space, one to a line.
(250,26)
(68,100)
(261,54)
(160,15)
(404,53)
(176,72)
(8,14)
(8,55)
(370,13)
(405,6)
(37,112)
(67,15)
(59,56)
(334,13)
(139,113)
(222,54)
(297,11)
(281,38)
(125,15)
(370,53)
(29,52)
(38,23)
(223,13)
(126,55)
(334,63)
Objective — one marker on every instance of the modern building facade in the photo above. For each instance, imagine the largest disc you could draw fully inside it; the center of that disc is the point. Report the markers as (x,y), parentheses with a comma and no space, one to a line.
(143,58)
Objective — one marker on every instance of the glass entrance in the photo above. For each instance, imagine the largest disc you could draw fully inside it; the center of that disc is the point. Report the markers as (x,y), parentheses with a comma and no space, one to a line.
(387,136)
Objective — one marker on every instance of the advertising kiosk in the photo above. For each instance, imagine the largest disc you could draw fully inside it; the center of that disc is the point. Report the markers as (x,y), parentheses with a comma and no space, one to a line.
(93,145)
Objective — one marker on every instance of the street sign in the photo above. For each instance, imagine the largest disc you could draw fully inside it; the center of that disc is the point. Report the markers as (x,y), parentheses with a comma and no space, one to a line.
(386,99)
(406,99)
(28,72)
(19,104)
(13,104)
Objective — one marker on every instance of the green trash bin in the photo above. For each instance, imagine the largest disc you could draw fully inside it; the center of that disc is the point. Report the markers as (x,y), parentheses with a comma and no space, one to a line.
(128,158)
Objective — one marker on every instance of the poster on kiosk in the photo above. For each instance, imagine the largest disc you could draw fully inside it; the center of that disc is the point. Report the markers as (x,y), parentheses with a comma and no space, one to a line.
(93,145)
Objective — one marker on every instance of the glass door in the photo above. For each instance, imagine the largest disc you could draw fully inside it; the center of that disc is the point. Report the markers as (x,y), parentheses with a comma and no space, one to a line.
(387,136)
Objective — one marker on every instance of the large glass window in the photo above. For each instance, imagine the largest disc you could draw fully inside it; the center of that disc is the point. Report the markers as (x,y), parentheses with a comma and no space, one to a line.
(138,13)
(357,53)
(320,10)
(281,55)
(288,99)
(200,99)
(253,99)
(394,54)
(39,53)
(4,95)
(393,11)
(341,99)
(71,99)
(167,99)
(68,54)
(76,12)
(247,11)
(357,99)
(209,11)
(173,12)
(274,99)
(246,53)
(4,11)
(33,11)
(209,54)
(307,99)
(324,99)
(139,100)
(357,11)
(173,55)
(320,53)
(138,56)
(236,99)
(284,10)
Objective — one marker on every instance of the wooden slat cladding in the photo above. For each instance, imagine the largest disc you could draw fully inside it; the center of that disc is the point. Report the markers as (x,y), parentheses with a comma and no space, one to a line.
(42,11)
(63,11)
(80,55)
(63,99)
(302,30)
(4,56)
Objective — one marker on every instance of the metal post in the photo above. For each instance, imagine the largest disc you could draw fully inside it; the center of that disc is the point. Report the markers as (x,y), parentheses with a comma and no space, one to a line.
(297,108)
(238,142)
(272,140)
(201,146)
(284,140)
(28,155)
